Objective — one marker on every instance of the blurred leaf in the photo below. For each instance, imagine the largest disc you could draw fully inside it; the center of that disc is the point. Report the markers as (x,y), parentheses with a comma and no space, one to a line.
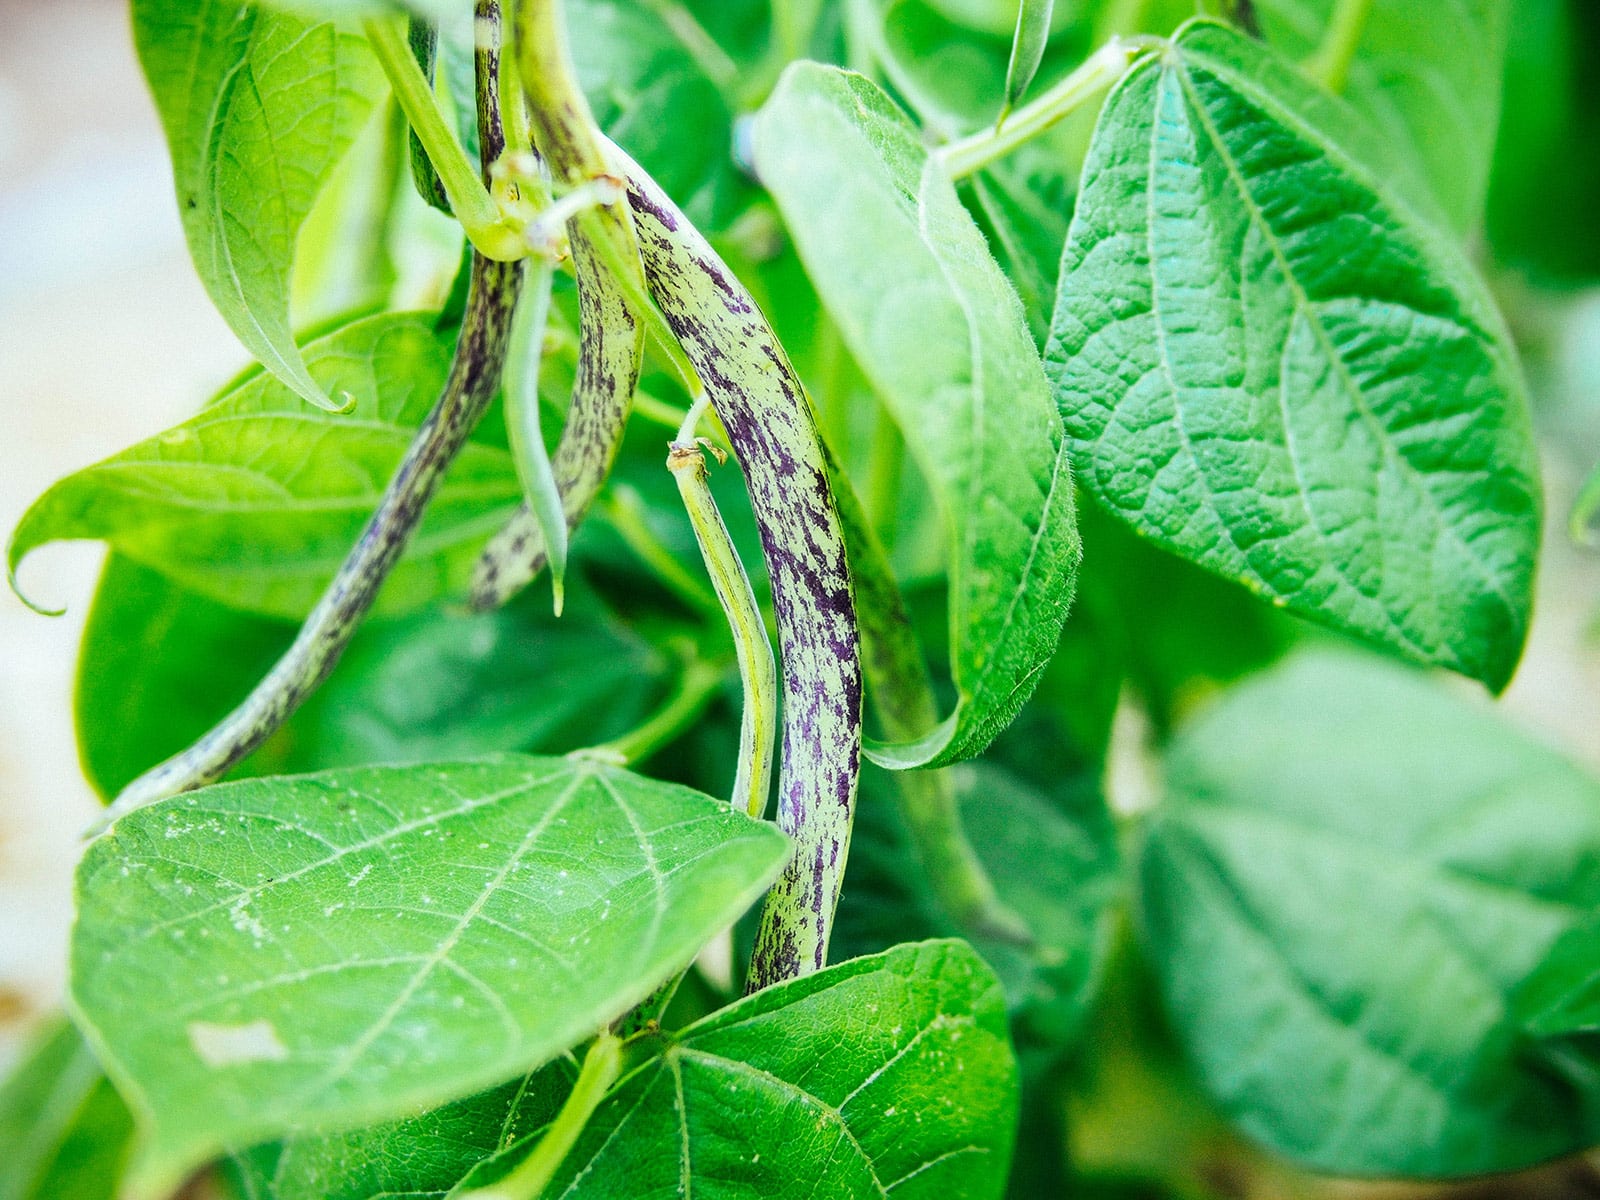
(934,324)
(63,1128)
(1428,76)
(889,1074)
(1028,41)
(357,943)
(1267,366)
(1353,871)
(259,107)
(256,501)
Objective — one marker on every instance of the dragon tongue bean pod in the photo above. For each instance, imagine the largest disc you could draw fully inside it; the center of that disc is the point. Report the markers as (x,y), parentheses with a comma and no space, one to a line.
(774,436)
(609,353)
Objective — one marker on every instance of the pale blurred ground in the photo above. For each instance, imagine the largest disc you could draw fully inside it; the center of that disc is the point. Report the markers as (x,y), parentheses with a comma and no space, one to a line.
(106,337)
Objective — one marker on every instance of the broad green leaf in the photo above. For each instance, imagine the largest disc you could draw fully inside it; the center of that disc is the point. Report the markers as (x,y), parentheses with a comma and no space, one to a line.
(937,329)
(362,944)
(1561,999)
(1353,871)
(416,1156)
(64,1132)
(1428,76)
(1053,862)
(881,1076)
(1268,365)
(1024,205)
(259,107)
(1028,41)
(256,501)
(160,665)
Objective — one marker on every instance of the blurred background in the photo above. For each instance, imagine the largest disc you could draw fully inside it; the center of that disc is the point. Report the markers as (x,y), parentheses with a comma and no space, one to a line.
(107,337)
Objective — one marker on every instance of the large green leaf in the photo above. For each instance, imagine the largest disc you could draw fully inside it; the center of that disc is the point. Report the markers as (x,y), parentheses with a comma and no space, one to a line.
(357,945)
(1354,870)
(259,107)
(64,1132)
(934,324)
(1438,107)
(416,1156)
(256,501)
(160,665)
(1269,365)
(881,1076)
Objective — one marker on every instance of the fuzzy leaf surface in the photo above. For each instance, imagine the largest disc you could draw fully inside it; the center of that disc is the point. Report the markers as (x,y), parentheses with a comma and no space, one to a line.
(1352,874)
(1270,365)
(883,1076)
(256,501)
(906,275)
(258,106)
(366,943)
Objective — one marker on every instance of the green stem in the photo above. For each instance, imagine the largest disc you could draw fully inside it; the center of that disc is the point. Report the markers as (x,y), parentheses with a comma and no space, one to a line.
(711,58)
(626,512)
(1097,73)
(682,707)
(601,1067)
(486,227)
(1330,65)
(758,672)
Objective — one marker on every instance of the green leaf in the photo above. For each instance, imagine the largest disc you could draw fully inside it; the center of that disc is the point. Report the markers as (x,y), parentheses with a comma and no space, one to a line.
(883,1075)
(1053,862)
(259,107)
(1428,76)
(1561,999)
(361,944)
(64,1129)
(256,501)
(160,665)
(1024,206)
(1354,870)
(1269,365)
(1028,41)
(936,327)
(423,1155)
(951,77)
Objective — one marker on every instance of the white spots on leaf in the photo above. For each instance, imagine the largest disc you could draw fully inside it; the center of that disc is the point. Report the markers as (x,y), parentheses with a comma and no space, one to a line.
(236,1045)
(355,880)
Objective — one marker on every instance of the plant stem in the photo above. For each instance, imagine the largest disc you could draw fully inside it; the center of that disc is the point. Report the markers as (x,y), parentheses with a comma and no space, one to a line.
(758,672)
(902,695)
(626,512)
(695,689)
(1097,73)
(486,227)
(601,1067)
(1330,65)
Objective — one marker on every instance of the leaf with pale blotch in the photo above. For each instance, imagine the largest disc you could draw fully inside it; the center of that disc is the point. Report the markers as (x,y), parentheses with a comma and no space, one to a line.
(362,944)
(256,501)
(905,273)
(1270,364)
(882,1076)
(259,107)
(64,1130)
(1353,873)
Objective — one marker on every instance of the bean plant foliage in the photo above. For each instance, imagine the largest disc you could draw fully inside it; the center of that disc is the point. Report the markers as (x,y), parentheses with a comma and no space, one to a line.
(881,386)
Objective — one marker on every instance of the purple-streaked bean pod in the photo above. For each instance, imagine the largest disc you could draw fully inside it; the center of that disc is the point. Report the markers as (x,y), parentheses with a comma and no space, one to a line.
(774,436)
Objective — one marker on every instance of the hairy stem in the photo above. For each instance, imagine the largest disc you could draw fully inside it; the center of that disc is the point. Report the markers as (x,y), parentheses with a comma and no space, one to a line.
(758,672)
(486,227)
(601,1067)
(1097,73)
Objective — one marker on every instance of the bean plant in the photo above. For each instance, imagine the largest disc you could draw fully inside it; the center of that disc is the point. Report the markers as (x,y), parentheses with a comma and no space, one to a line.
(927,411)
